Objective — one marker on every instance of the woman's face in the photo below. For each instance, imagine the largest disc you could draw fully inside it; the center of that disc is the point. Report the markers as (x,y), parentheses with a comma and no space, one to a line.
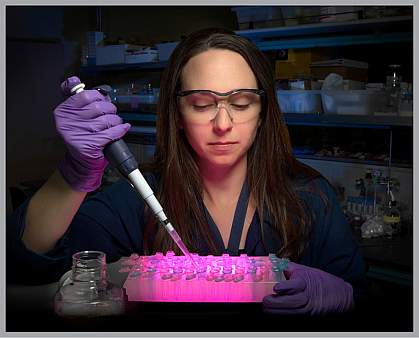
(219,129)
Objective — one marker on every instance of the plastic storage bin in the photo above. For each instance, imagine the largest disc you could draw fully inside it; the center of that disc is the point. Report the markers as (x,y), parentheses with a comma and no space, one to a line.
(300,101)
(351,102)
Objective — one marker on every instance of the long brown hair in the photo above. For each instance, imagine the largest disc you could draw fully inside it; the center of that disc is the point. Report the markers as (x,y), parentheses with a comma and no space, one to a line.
(272,168)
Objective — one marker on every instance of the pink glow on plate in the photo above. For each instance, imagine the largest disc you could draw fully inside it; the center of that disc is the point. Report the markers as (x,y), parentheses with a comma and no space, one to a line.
(170,278)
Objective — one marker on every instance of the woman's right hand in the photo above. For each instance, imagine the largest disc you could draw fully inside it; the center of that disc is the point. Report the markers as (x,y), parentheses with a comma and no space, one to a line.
(87,122)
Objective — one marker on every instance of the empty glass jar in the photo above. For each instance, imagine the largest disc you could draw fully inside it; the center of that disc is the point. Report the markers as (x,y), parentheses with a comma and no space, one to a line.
(88,293)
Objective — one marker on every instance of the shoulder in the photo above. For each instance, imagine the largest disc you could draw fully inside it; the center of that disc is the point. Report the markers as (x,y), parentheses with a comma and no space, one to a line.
(317,190)
(310,185)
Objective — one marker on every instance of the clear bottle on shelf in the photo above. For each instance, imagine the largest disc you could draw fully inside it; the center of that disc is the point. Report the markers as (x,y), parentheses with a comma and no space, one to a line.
(87,292)
(393,80)
(406,99)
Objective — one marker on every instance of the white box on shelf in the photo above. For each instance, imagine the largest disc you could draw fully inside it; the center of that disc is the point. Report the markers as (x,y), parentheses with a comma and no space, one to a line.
(299,101)
(351,102)
(146,55)
(112,54)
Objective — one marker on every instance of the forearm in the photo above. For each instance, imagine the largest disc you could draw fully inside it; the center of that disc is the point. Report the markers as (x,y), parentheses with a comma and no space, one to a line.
(49,214)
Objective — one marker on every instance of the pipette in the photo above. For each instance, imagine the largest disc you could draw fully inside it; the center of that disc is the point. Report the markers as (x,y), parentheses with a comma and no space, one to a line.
(120,157)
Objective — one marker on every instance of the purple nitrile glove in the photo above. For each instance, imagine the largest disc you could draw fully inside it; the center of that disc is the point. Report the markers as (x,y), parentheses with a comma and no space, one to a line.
(307,290)
(87,122)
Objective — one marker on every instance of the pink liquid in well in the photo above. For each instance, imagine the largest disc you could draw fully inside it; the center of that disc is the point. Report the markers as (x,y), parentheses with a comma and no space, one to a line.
(170,278)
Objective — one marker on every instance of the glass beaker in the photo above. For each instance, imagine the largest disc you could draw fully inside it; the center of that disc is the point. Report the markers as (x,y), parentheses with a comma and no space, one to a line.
(88,293)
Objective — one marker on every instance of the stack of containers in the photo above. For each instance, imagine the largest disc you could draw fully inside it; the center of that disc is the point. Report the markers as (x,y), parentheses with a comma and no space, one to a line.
(300,101)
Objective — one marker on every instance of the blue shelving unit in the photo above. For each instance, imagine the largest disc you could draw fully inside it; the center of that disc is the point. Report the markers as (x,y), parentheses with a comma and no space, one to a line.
(146,66)
(329,120)
(335,41)
(282,37)
(348,121)
(138,117)
(358,32)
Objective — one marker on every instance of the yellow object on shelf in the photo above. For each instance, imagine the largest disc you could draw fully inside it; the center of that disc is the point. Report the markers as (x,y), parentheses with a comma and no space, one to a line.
(298,63)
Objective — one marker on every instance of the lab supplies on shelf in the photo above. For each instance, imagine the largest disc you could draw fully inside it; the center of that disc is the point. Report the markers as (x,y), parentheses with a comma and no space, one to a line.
(141,56)
(299,101)
(124,53)
(352,102)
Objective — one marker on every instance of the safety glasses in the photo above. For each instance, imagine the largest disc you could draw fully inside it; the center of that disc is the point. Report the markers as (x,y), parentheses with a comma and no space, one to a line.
(202,105)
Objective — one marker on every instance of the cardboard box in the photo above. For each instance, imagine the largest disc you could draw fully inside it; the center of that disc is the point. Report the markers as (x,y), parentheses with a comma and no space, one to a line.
(298,63)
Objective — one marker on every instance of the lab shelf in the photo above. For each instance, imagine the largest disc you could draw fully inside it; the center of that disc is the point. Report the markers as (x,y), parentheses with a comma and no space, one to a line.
(336,41)
(348,121)
(138,117)
(389,30)
(365,26)
(353,160)
(146,66)
(279,38)
(329,120)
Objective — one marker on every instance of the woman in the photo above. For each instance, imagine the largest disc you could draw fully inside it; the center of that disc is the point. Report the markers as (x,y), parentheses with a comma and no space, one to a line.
(223,171)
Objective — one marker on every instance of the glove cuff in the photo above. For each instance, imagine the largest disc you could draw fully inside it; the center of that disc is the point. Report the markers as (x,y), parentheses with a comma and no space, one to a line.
(350,303)
(79,176)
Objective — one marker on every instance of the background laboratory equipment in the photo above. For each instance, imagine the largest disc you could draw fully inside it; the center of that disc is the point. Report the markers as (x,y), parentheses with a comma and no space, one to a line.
(393,80)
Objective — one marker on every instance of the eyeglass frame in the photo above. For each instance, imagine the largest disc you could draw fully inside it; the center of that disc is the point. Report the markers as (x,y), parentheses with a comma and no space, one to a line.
(184,93)
(259,92)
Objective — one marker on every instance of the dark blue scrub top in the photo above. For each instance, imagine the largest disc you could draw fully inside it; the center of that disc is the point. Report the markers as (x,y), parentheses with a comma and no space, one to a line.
(112,221)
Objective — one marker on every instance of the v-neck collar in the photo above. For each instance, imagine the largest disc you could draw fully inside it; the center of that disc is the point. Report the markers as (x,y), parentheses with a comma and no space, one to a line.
(237,226)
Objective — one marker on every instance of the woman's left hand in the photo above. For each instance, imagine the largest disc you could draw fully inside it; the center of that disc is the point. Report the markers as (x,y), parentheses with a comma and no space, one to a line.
(308,290)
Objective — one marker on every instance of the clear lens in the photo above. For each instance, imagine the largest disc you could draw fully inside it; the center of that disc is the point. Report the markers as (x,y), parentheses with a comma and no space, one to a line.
(202,107)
